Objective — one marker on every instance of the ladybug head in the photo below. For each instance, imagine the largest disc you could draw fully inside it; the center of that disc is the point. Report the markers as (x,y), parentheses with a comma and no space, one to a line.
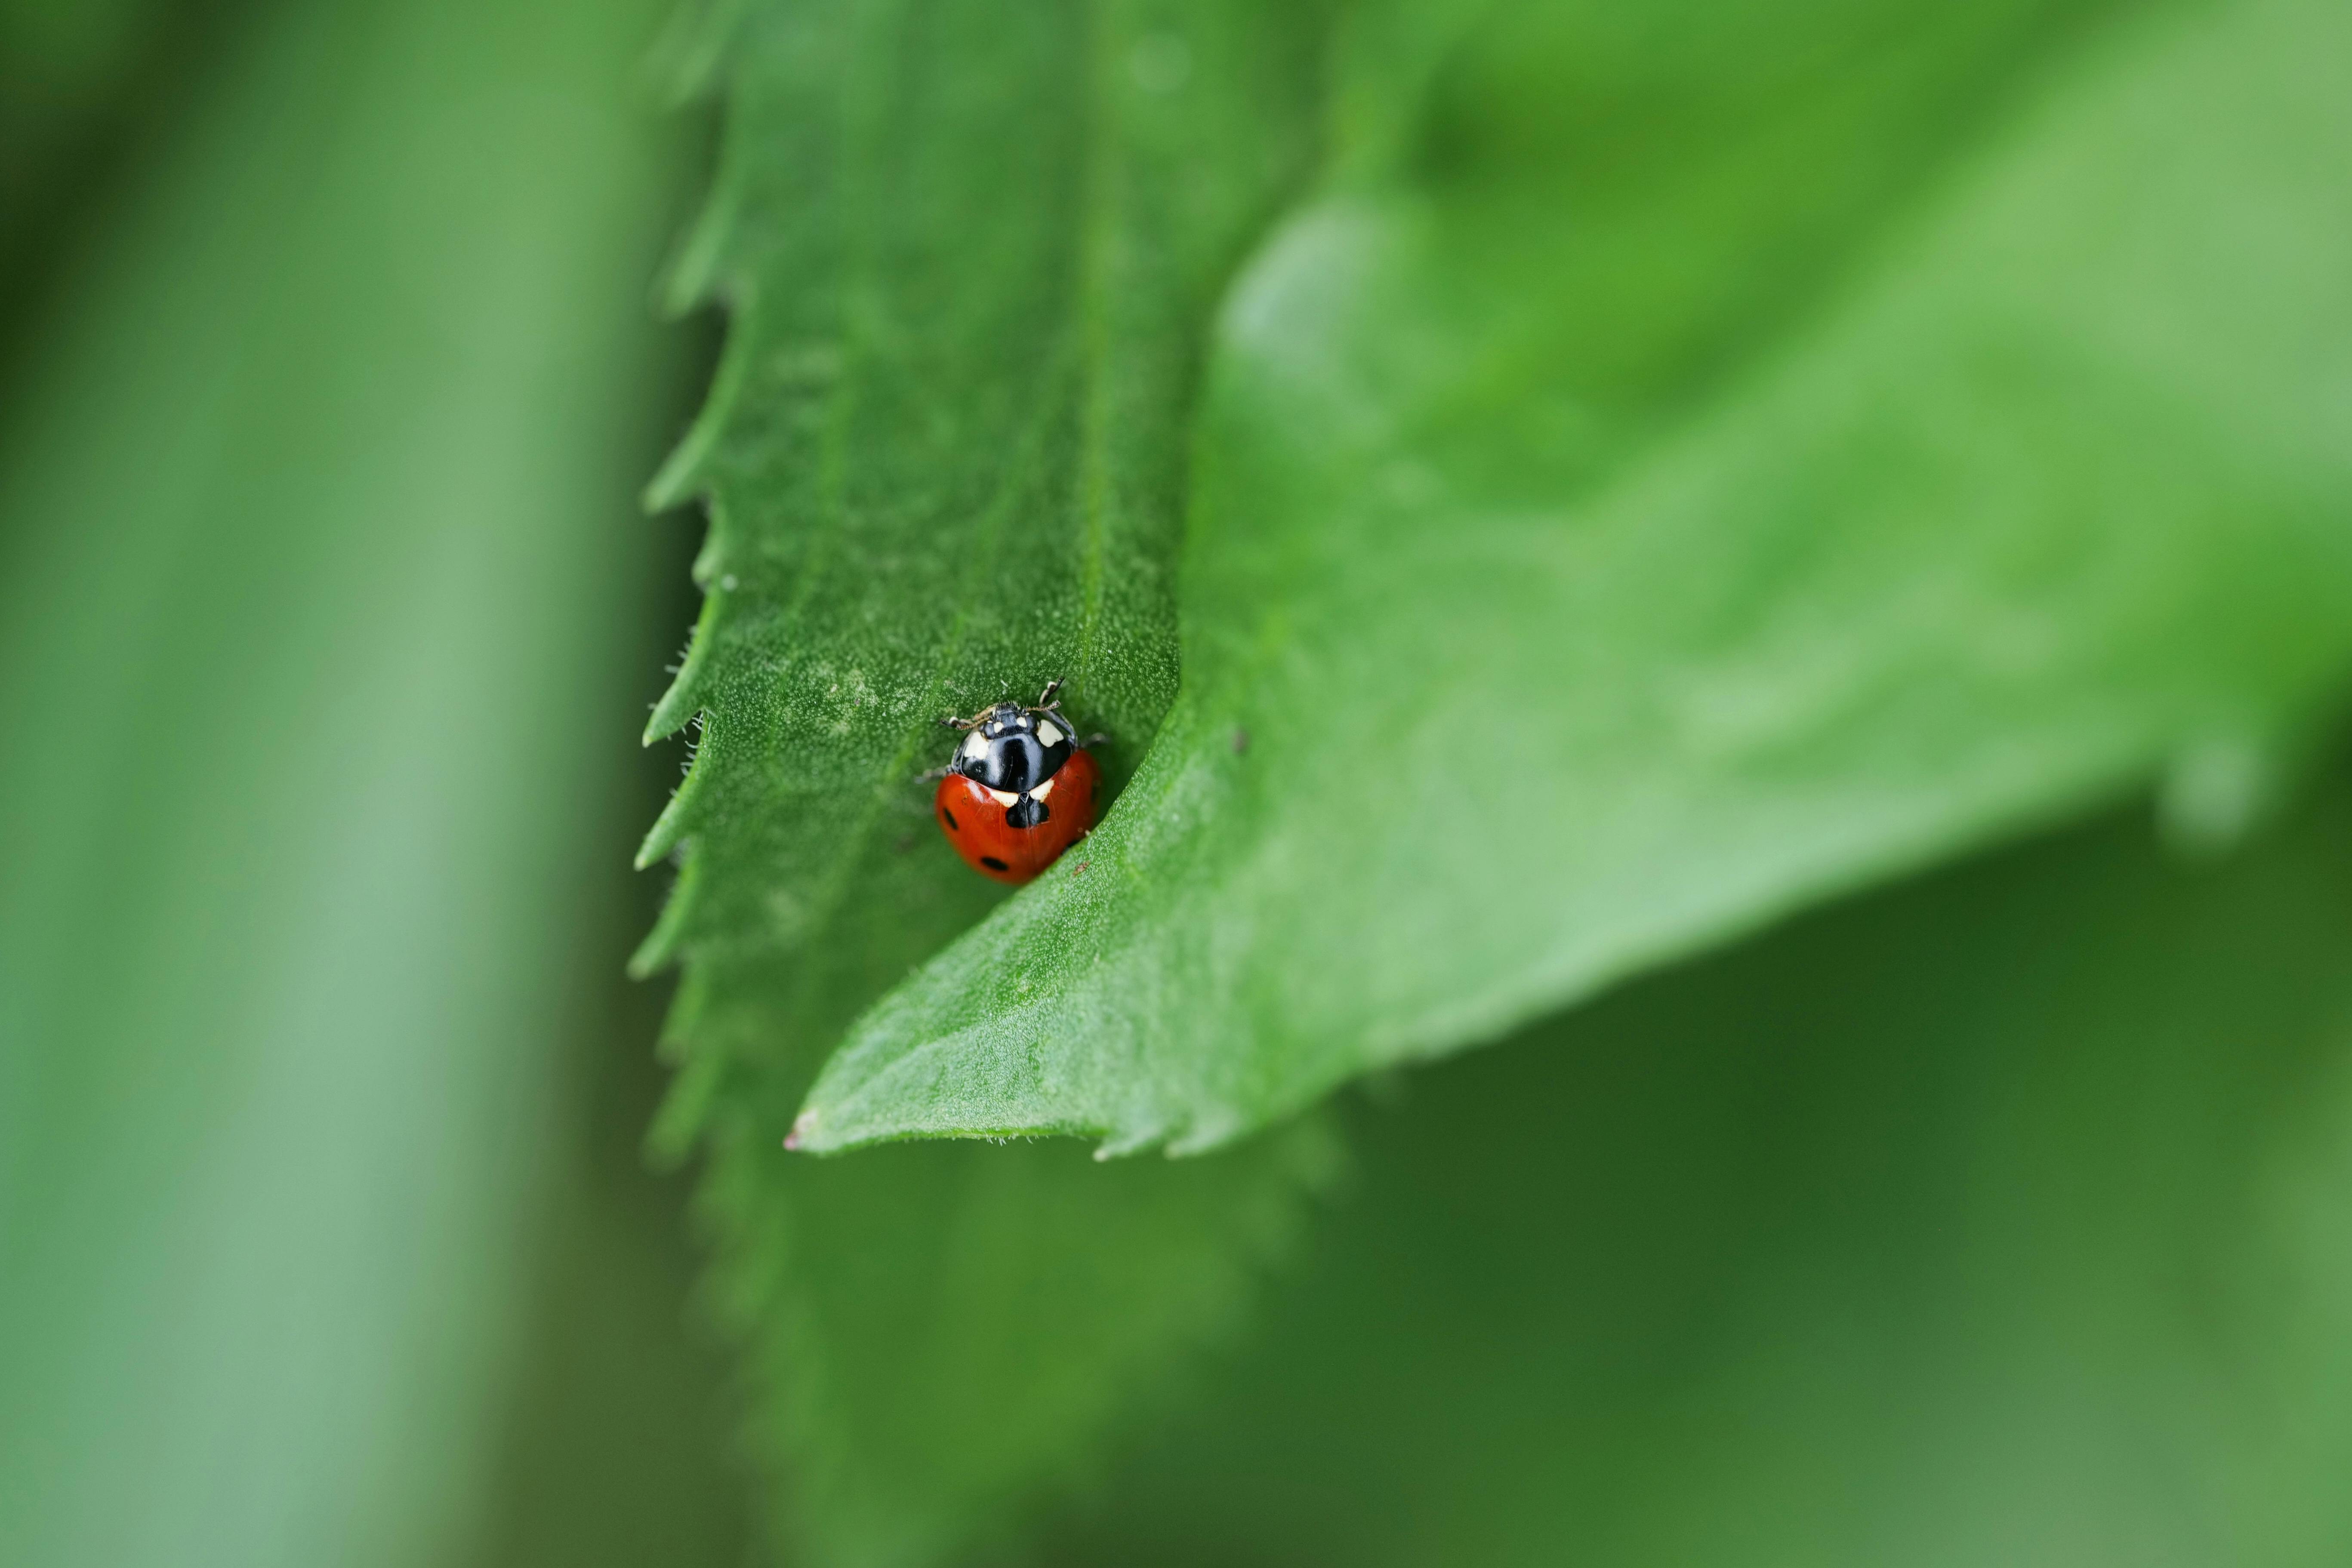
(1012,748)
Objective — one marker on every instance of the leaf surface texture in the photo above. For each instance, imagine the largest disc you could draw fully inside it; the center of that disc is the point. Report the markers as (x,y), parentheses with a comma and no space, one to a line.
(1703,460)
(970,254)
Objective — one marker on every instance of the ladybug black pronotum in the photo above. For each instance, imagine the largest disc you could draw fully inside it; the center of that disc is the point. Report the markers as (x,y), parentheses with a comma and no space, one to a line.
(1020,790)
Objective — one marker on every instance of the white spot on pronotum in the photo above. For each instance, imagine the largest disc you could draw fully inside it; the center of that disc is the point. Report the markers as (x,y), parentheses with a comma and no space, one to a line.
(974,745)
(1002,799)
(1049,733)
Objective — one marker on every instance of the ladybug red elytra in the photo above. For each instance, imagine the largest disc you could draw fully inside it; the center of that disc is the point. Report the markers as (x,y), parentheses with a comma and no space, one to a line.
(1020,790)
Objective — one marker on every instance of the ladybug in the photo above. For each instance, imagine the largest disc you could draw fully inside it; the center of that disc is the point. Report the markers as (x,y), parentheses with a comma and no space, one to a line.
(1020,790)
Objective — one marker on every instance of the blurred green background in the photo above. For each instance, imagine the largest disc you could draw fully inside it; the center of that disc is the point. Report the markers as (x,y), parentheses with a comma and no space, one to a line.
(330,378)
(1998,1215)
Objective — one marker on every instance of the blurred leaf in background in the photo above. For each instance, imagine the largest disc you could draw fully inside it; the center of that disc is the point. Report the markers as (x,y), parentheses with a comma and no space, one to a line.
(618,1441)
(84,84)
(1999,1218)
(319,608)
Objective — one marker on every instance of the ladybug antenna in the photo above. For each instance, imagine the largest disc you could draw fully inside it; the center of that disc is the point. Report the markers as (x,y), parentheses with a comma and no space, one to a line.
(1046,699)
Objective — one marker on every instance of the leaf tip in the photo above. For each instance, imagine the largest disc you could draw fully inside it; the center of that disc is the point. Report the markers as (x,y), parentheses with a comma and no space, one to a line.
(651,954)
(675,482)
(661,943)
(683,700)
(803,1128)
(659,840)
(676,709)
(1119,1145)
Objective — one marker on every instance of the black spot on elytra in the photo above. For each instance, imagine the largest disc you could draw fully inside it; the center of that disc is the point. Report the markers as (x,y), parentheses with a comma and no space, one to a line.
(952,825)
(994,864)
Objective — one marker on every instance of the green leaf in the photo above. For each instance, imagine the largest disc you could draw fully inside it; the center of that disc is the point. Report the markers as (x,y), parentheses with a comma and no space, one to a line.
(971,251)
(314,534)
(1995,1219)
(938,1334)
(1717,456)
(617,1446)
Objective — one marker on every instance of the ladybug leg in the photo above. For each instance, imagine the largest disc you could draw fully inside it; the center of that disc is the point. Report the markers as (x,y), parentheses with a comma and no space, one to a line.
(1046,699)
(931,775)
(1096,739)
